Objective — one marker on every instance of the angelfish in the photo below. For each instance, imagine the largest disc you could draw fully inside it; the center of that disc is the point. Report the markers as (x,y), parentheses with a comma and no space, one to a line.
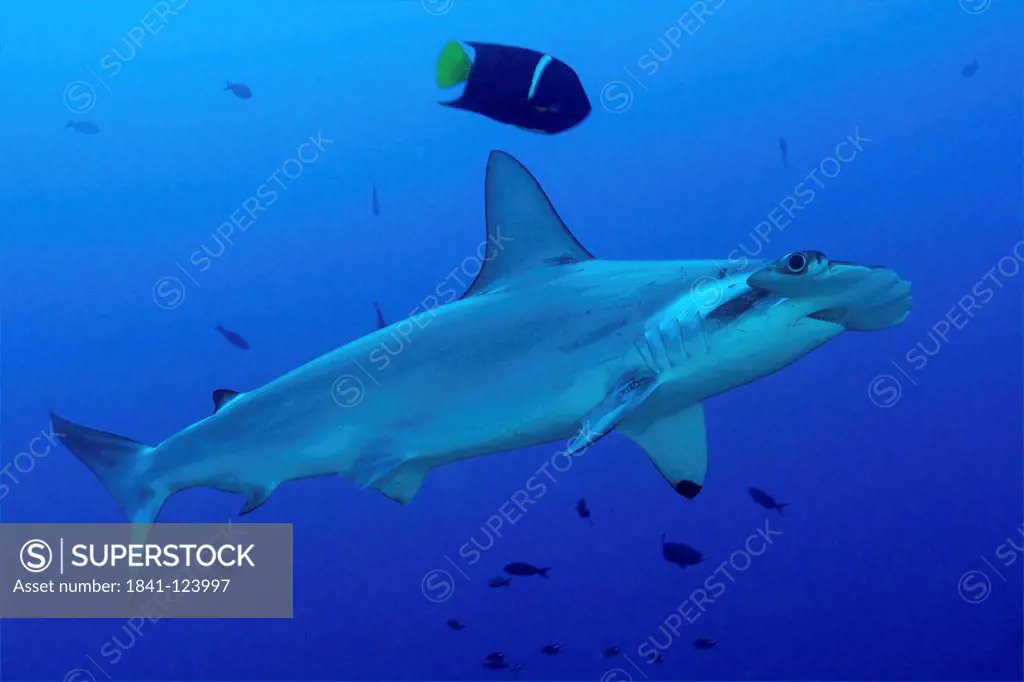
(524,88)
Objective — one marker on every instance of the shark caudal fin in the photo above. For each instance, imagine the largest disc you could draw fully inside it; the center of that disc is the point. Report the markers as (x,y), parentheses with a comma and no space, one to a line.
(121,465)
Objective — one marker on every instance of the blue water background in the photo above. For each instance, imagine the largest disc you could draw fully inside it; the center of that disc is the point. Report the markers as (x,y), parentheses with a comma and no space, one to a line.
(889,506)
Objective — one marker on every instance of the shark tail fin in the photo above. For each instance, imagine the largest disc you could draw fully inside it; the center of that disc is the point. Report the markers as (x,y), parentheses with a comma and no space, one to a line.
(121,465)
(779,506)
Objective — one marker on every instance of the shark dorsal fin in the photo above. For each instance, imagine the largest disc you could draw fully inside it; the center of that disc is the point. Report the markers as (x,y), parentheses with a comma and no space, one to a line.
(221,397)
(524,231)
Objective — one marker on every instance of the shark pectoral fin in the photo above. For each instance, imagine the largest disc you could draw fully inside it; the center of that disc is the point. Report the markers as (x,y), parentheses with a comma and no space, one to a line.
(221,397)
(617,405)
(524,232)
(677,445)
(256,497)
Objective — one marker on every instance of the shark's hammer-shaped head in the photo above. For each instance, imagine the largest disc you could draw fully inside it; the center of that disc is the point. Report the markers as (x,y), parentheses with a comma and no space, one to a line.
(853,296)
(804,300)
(789,307)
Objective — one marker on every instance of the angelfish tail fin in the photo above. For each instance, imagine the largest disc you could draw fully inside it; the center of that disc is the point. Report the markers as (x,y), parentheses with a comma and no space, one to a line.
(121,465)
(453,65)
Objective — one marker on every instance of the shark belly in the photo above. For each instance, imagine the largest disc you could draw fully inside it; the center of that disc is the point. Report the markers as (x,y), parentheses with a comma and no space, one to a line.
(473,378)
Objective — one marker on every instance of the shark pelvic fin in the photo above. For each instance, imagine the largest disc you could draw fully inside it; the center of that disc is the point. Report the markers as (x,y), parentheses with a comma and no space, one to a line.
(676,444)
(402,485)
(256,497)
(398,477)
(628,395)
(221,397)
(524,231)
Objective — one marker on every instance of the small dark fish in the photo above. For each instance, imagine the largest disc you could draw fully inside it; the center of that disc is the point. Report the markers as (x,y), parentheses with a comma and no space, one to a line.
(551,649)
(233,337)
(83,127)
(241,90)
(376,201)
(380,316)
(610,652)
(970,69)
(766,500)
(455,624)
(784,148)
(496,656)
(501,665)
(499,582)
(583,510)
(704,643)
(679,554)
(524,88)
(523,568)
(657,658)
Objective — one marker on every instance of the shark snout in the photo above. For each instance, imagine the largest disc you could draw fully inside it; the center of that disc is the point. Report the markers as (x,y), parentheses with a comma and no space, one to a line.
(879,300)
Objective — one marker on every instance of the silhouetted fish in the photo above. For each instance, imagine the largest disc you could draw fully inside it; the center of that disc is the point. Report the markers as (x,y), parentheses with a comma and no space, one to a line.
(551,649)
(241,90)
(970,69)
(525,88)
(679,554)
(610,652)
(583,510)
(454,624)
(233,337)
(523,568)
(501,665)
(784,148)
(83,127)
(380,316)
(766,500)
(495,656)
(499,582)
(376,201)
(704,643)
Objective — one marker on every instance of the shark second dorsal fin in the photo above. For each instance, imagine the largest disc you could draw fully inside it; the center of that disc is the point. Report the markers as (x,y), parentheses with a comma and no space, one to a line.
(524,231)
(221,397)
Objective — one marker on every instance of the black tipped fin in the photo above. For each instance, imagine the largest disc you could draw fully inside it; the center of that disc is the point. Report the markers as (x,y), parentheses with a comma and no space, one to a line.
(221,397)
(676,444)
(688,489)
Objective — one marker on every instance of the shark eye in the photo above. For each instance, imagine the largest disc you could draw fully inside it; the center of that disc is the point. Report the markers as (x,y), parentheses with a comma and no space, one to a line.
(796,264)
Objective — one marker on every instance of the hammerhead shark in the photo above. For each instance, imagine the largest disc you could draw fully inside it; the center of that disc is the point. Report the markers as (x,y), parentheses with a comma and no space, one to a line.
(548,344)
